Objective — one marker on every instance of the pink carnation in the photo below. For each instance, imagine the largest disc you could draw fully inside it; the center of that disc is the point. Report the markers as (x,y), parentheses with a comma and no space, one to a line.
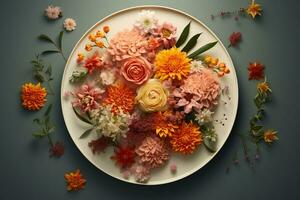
(166,33)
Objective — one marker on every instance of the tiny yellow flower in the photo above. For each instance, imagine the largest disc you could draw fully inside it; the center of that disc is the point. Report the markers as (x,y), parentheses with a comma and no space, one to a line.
(80,57)
(92,37)
(106,29)
(100,34)
(263,87)
(270,136)
(88,47)
(99,44)
(254,9)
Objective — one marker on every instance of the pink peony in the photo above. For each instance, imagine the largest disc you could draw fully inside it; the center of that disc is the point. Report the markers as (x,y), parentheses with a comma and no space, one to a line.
(93,63)
(152,152)
(136,70)
(127,44)
(86,98)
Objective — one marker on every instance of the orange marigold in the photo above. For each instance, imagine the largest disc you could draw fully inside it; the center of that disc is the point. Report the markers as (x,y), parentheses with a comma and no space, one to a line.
(75,180)
(163,127)
(120,97)
(172,64)
(186,138)
(33,96)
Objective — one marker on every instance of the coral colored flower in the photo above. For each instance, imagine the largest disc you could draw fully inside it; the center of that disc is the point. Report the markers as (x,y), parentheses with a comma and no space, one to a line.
(152,96)
(75,180)
(57,149)
(187,100)
(163,127)
(33,96)
(171,64)
(70,24)
(186,139)
(256,71)
(87,98)
(254,9)
(152,152)
(99,145)
(153,44)
(264,87)
(124,156)
(93,63)
(136,70)
(166,33)
(270,136)
(53,12)
(235,38)
(106,29)
(120,97)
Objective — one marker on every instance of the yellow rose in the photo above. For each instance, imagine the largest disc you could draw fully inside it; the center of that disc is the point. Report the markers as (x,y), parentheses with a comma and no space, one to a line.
(152,96)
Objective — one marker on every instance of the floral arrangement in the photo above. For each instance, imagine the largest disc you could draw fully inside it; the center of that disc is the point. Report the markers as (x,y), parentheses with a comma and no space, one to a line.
(145,94)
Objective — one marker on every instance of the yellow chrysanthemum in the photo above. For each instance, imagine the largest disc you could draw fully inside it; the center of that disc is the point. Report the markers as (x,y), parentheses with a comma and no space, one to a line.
(171,64)
(254,9)
(33,96)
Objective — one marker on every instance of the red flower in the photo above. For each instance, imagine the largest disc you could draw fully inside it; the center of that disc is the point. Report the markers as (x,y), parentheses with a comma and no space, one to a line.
(124,156)
(57,149)
(235,38)
(100,144)
(256,71)
(94,62)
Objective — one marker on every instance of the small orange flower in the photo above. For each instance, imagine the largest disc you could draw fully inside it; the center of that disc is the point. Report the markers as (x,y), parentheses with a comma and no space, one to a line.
(254,9)
(88,47)
(100,34)
(92,37)
(75,180)
(33,96)
(270,136)
(120,97)
(80,57)
(186,138)
(100,44)
(263,87)
(106,29)
(163,128)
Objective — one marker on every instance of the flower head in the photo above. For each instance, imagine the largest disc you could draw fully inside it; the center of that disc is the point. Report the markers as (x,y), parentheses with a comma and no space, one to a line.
(204,116)
(196,66)
(270,136)
(94,62)
(100,144)
(171,64)
(57,149)
(106,29)
(70,24)
(120,98)
(33,96)
(166,34)
(264,87)
(75,180)
(124,156)
(53,12)
(186,100)
(107,77)
(254,9)
(141,173)
(256,71)
(146,21)
(163,127)
(186,138)
(152,152)
(235,38)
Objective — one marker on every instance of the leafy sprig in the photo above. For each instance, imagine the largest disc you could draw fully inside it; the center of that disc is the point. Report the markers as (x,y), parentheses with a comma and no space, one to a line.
(58,45)
(78,76)
(42,73)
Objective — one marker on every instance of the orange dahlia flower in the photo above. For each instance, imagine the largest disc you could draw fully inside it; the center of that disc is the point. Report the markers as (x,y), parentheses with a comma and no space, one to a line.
(75,180)
(33,96)
(186,138)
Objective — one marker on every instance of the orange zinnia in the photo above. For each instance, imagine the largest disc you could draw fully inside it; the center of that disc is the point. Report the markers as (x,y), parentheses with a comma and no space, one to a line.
(75,180)
(254,9)
(120,97)
(33,96)
(186,138)
(163,127)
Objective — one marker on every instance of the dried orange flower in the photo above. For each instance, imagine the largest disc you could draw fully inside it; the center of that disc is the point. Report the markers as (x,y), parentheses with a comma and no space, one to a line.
(120,97)
(92,37)
(254,9)
(270,136)
(33,96)
(100,34)
(172,64)
(75,180)
(80,57)
(263,87)
(163,127)
(88,47)
(186,138)
(106,29)
(99,44)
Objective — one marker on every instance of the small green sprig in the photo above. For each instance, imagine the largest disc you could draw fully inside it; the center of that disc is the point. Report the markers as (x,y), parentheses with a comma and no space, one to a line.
(58,45)
(78,76)
(42,73)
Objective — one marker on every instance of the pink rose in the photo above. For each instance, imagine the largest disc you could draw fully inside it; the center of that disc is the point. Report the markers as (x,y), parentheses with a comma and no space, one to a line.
(136,70)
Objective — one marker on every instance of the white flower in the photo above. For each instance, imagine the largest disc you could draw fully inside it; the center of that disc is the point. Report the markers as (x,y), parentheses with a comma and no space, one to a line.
(107,77)
(146,21)
(196,66)
(70,24)
(205,116)
(109,124)
(53,12)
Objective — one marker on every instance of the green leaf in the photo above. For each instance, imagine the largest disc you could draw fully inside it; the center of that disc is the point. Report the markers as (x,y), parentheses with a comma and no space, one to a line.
(184,35)
(191,43)
(202,49)
(47,52)
(46,38)
(78,76)
(37,120)
(86,133)
(39,134)
(82,117)
(39,77)
(60,40)
(49,70)
(48,110)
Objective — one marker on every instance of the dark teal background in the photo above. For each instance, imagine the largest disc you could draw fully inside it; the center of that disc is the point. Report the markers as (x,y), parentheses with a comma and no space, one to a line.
(26,171)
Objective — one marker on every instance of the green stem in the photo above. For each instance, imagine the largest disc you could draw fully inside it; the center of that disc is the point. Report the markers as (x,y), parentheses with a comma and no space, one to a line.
(50,140)
(51,91)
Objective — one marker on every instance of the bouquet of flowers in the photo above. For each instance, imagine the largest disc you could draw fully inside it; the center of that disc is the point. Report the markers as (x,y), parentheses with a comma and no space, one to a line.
(145,94)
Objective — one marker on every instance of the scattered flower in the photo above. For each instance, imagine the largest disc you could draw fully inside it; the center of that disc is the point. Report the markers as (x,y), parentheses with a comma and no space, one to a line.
(33,96)
(124,157)
(264,87)
(256,71)
(57,149)
(235,38)
(173,168)
(70,24)
(75,180)
(254,9)
(53,12)
(270,136)
(146,21)
(106,29)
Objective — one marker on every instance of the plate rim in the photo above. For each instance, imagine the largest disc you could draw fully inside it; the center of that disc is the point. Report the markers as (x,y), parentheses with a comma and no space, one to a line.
(178,177)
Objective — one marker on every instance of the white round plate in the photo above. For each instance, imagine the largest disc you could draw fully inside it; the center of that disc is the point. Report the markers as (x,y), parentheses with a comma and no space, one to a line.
(186,165)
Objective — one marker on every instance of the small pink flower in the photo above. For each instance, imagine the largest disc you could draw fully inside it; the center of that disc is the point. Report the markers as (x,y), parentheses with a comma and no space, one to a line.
(173,168)
(70,24)
(188,101)
(235,38)
(93,63)
(53,12)
(86,98)
(166,34)
(136,70)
